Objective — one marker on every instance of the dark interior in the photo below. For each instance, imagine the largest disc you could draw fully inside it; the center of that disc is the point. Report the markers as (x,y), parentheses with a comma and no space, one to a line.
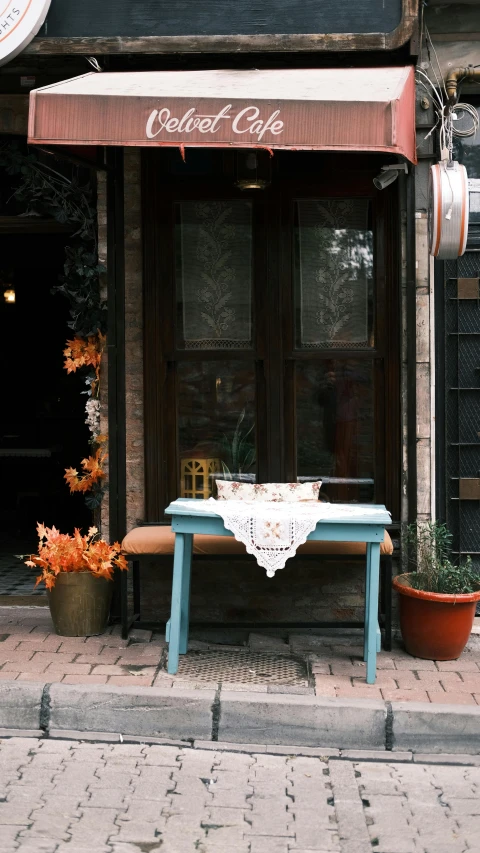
(42,416)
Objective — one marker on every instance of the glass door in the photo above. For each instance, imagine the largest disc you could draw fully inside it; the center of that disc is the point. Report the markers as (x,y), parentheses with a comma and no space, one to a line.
(272,349)
(332,347)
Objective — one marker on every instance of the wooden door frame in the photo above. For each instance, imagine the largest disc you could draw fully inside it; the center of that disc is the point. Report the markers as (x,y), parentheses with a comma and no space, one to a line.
(160,427)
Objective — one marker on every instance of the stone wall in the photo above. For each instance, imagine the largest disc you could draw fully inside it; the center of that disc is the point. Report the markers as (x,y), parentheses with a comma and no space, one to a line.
(102,259)
(238,590)
(134,339)
(133,336)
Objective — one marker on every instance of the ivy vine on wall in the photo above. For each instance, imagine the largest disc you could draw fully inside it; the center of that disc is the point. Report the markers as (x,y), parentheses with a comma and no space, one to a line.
(43,190)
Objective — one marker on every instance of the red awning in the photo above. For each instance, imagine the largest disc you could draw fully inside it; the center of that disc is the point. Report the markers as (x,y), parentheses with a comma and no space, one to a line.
(333,109)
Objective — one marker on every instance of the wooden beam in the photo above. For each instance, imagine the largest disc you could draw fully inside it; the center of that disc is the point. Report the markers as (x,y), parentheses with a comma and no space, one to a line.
(225,44)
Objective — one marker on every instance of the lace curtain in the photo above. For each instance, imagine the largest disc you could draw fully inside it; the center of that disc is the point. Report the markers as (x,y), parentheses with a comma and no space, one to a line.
(215,274)
(335,271)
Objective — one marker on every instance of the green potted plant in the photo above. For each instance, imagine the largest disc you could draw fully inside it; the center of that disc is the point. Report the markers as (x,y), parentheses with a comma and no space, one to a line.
(77,572)
(438,598)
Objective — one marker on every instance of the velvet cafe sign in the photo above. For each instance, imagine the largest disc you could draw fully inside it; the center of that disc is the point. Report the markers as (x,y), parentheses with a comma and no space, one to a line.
(20,21)
(246,122)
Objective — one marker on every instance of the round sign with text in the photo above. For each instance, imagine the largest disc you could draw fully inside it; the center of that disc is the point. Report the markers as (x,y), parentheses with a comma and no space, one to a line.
(20,21)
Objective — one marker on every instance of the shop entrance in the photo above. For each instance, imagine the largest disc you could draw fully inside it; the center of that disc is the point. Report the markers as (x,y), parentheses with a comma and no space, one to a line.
(42,428)
(272,326)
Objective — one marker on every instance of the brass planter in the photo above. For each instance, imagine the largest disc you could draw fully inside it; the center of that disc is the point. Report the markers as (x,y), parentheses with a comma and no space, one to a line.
(80,604)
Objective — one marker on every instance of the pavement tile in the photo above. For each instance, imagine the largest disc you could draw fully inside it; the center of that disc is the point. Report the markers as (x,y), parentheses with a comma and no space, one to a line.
(415,664)
(459,665)
(95,644)
(126,656)
(11,641)
(67,668)
(451,698)
(33,676)
(8,675)
(385,662)
(404,695)
(114,641)
(409,680)
(11,655)
(367,691)
(382,680)
(349,669)
(324,688)
(84,679)
(473,681)
(51,643)
(53,657)
(320,669)
(108,669)
(94,660)
(26,666)
(448,678)
(130,681)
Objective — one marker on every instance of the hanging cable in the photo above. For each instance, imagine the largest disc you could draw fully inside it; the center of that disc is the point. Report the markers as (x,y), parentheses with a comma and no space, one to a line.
(94,63)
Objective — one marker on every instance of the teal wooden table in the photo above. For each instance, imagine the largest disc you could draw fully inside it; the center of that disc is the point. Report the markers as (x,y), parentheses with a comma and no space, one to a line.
(369,527)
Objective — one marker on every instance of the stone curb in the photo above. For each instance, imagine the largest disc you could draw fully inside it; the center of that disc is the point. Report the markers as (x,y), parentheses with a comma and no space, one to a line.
(211,717)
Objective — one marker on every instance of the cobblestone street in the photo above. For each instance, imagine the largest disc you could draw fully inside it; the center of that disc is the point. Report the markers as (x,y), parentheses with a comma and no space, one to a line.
(70,797)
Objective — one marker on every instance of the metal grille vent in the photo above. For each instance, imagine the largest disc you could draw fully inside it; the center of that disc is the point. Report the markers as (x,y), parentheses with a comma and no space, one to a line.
(242,667)
(462,404)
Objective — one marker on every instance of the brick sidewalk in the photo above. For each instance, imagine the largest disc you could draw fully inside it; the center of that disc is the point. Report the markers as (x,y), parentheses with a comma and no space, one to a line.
(29,651)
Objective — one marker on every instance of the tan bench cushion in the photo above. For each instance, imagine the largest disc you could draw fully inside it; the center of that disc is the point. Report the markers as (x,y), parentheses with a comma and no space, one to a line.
(161,540)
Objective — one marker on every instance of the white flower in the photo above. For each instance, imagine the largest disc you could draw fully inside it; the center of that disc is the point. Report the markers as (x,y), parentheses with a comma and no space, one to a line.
(92,409)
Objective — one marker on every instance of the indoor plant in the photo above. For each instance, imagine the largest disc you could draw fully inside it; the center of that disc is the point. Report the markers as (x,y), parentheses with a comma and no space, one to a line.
(438,599)
(77,571)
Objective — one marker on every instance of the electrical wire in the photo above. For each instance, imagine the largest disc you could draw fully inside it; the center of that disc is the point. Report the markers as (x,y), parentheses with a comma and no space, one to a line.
(472,112)
(447,115)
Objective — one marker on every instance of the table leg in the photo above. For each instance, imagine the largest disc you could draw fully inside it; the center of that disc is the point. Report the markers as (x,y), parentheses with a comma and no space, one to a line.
(185,604)
(373,573)
(367,599)
(176,610)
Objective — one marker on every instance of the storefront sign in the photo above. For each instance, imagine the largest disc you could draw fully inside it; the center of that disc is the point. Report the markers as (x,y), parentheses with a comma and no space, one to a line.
(361,109)
(20,21)
(244,121)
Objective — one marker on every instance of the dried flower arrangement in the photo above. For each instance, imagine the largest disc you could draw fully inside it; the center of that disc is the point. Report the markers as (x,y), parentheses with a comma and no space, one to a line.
(61,552)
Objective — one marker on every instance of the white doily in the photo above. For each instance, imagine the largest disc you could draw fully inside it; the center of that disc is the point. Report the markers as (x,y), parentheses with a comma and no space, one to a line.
(273,531)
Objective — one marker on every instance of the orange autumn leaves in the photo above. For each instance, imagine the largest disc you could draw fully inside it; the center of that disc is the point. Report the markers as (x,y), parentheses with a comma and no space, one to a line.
(87,353)
(92,471)
(61,552)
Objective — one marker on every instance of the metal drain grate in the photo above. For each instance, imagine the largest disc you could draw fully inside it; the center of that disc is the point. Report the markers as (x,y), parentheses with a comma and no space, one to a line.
(241,667)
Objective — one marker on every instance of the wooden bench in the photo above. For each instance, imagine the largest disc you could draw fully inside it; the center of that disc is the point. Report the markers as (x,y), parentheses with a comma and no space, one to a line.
(158,540)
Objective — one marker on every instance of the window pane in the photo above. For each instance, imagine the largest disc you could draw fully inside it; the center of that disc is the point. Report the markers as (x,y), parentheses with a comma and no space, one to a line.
(214,274)
(335,424)
(334,274)
(216,423)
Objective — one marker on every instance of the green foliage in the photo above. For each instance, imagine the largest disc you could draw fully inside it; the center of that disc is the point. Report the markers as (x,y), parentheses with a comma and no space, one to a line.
(80,285)
(432,569)
(44,191)
(239,451)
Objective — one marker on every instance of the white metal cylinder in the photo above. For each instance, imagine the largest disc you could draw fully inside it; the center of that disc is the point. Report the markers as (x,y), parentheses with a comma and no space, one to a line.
(449,210)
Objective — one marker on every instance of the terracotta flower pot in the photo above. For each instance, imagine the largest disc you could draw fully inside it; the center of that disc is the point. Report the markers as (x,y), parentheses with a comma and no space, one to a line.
(80,604)
(435,626)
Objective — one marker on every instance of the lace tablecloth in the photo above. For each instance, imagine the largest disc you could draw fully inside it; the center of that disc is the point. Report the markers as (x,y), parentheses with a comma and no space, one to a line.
(272,531)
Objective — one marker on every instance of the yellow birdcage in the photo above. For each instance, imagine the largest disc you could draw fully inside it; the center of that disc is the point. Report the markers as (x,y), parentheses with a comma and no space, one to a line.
(195,479)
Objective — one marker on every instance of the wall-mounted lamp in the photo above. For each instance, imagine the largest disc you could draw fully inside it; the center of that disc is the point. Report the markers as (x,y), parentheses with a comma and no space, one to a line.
(389,174)
(9,295)
(253,170)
